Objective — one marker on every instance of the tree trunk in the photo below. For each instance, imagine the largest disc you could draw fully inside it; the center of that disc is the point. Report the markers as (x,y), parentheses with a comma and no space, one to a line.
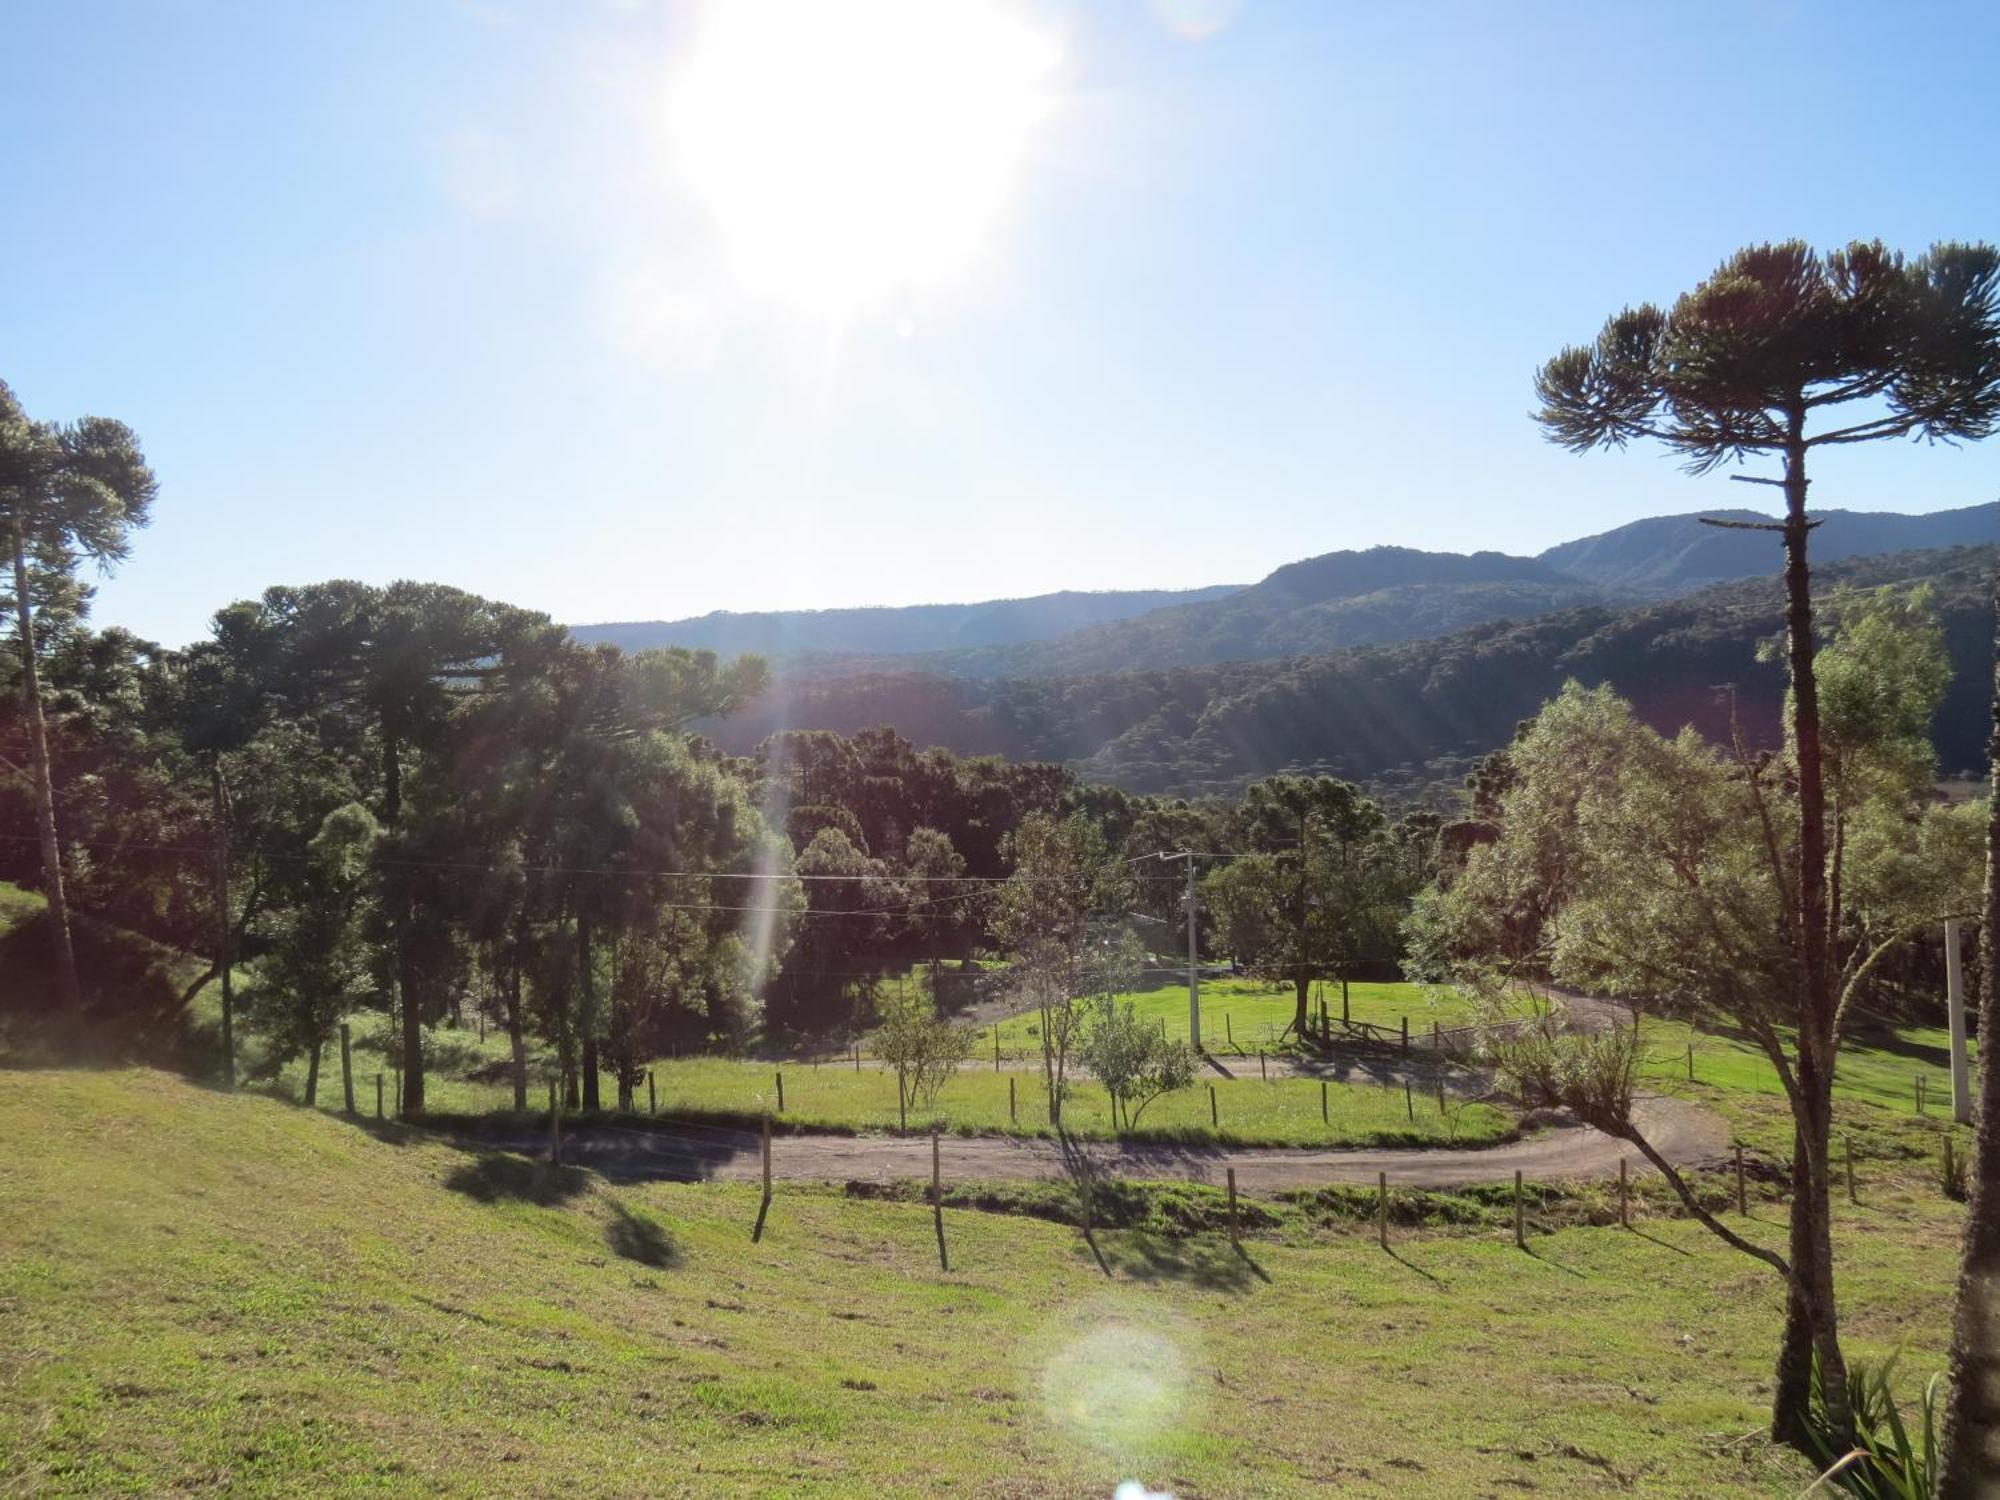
(1969,1447)
(45,789)
(1812,1245)
(1301,988)
(516,1047)
(413,1017)
(220,817)
(587,1014)
(312,1072)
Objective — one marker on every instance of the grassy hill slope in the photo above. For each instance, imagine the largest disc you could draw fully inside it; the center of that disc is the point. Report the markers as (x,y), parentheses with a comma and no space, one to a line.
(200,1291)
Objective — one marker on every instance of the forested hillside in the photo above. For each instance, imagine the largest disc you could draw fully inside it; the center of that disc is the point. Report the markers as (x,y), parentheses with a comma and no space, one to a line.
(1390,712)
(1324,603)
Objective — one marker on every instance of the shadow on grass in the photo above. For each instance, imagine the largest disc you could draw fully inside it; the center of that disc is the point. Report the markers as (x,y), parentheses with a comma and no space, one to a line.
(1554,1265)
(498,1176)
(1663,1244)
(1203,1262)
(636,1237)
(1409,1265)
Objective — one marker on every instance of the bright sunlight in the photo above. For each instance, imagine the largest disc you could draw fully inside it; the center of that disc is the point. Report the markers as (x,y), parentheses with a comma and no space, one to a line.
(850,153)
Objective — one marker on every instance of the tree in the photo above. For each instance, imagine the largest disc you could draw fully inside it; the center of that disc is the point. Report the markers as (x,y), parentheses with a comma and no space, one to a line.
(68,491)
(1780,352)
(1312,895)
(1047,915)
(923,1047)
(1629,864)
(1969,1445)
(316,967)
(1130,1056)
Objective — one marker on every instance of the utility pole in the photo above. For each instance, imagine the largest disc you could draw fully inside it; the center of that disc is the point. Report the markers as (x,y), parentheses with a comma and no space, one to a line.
(1954,999)
(1194,974)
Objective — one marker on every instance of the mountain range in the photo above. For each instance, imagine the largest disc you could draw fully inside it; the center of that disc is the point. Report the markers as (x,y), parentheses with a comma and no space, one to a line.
(1406,718)
(1332,602)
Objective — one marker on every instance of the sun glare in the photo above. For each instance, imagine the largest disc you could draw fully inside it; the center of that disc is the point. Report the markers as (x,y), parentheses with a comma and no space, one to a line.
(850,152)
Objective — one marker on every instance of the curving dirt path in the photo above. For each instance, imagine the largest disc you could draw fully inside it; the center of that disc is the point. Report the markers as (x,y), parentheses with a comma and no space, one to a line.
(1685,1134)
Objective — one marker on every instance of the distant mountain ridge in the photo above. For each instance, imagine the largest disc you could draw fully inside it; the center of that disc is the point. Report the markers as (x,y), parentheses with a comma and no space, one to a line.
(892,629)
(1666,555)
(1337,600)
(1403,714)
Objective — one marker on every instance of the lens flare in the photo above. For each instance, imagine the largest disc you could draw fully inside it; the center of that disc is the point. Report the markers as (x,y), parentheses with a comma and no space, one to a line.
(1118,1386)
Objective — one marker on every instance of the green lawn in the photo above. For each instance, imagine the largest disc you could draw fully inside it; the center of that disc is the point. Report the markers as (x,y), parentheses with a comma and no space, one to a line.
(1868,1069)
(1282,1112)
(204,1292)
(1249,1013)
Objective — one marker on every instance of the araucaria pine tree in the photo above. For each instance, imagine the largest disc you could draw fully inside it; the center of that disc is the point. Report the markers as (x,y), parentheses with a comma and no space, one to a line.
(1781,352)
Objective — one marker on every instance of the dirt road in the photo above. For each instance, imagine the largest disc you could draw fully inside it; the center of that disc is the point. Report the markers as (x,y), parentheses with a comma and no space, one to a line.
(1684,1133)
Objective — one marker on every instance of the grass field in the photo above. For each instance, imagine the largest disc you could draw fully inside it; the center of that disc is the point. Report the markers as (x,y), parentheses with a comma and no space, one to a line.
(210,1292)
(1283,1112)
(1254,1013)
(1870,1068)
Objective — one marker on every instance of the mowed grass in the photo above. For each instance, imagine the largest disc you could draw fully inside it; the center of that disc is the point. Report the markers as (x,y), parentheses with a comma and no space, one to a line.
(835,1096)
(1873,1067)
(1250,1013)
(200,1291)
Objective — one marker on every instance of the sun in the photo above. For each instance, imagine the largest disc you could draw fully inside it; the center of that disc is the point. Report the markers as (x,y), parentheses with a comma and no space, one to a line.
(850,151)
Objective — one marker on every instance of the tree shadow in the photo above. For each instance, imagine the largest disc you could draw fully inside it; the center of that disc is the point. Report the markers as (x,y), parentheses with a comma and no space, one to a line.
(637,1237)
(1204,1262)
(500,1176)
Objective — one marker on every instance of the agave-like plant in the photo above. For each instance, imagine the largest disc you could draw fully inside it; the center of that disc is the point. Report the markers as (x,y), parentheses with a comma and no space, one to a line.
(1889,1461)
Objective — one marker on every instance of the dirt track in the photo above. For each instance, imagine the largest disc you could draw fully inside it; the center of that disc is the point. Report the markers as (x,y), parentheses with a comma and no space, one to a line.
(1684,1133)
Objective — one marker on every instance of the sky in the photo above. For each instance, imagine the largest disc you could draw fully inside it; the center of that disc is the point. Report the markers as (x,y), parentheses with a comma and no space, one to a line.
(634,309)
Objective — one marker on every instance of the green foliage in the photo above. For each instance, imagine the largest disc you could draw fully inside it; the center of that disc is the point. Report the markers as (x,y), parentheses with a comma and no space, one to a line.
(1889,1461)
(922,1046)
(1133,1058)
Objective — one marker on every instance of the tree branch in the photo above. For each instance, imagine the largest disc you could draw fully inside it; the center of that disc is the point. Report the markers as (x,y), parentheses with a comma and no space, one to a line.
(1714,1225)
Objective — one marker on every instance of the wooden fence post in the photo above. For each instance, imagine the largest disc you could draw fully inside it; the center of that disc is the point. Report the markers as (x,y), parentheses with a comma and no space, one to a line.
(1406,1033)
(902,1102)
(764,1206)
(652,1094)
(1742,1200)
(1234,1239)
(1409,1102)
(996,1049)
(1948,1172)
(1229,1031)
(1214,1119)
(1437,1038)
(1441,1108)
(1013,1114)
(857,1057)
(1263,1070)
(1852,1195)
(781,1090)
(1690,1062)
(1382,1209)
(1322,1103)
(346,1068)
(378,1096)
(1520,1222)
(937,1202)
(1624,1211)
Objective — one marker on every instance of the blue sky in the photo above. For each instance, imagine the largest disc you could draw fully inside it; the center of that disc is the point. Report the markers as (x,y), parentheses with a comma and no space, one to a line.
(429,288)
